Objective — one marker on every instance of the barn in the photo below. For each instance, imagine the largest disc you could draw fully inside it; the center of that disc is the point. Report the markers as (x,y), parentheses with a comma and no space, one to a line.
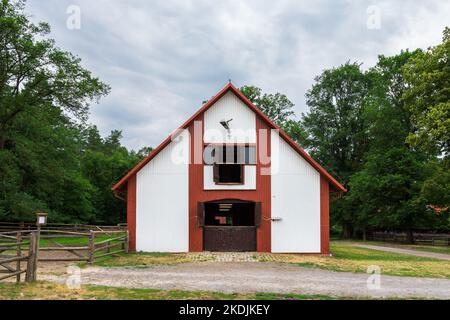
(228,179)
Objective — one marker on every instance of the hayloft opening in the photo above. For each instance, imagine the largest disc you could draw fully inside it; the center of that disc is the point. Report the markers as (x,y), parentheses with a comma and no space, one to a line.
(230,214)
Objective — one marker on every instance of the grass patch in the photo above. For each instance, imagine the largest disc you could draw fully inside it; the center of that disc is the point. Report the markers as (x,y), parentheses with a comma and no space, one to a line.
(418,247)
(143,260)
(77,241)
(353,259)
(49,291)
(444,250)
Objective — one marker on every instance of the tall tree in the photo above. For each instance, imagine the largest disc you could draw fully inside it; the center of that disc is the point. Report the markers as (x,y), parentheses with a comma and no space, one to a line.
(387,190)
(40,145)
(103,163)
(276,106)
(336,130)
(34,73)
(428,97)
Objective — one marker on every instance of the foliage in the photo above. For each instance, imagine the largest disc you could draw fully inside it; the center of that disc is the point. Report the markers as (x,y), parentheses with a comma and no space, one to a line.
(334,123)
(428,97)
(337,131)
(276,106)
(50,160)
(35,74)
(357,127)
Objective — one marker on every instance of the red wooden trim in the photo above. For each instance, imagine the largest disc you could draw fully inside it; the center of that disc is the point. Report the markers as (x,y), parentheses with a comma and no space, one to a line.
(198,194)
(324,216)
(195,188)
(337,186)
(131,212)
(263,186)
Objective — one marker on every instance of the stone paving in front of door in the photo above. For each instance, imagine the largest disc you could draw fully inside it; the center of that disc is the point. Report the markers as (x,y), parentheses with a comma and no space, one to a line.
(236,257)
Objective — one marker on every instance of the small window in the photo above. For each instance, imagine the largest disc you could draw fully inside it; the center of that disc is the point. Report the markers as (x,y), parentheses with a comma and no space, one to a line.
(230,154)
(228,173)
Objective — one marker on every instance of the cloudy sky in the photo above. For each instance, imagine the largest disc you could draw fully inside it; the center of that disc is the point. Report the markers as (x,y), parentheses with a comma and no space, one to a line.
(163,58)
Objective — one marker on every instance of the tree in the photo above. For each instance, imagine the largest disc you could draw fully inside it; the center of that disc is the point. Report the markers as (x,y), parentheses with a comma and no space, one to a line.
(336,129)
(276,106)
(386,192)
(103,163)
(428,97)
(34,73)
(334,123)
(41,89)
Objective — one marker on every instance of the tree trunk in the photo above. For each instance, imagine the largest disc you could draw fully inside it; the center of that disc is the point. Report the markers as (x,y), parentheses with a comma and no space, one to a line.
(2,141)
(410,236)
(347,231)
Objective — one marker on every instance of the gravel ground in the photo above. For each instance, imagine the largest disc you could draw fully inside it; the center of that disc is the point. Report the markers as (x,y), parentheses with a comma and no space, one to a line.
(410,252)
(248,277)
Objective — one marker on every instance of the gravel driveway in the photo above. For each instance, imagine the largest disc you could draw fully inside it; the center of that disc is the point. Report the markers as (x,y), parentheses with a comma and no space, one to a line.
(248,277)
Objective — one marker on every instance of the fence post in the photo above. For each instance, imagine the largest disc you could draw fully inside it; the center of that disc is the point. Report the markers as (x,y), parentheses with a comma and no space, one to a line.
(18,253)
(127,242)
(91,247)
(32,258)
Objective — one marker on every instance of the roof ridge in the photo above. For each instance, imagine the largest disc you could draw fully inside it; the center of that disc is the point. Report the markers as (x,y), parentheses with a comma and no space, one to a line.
(244,99)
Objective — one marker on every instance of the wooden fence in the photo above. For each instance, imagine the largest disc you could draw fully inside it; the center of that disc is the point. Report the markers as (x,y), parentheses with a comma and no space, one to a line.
(13,253)
(77,246)
(84,246)
(21,226)
(419,238)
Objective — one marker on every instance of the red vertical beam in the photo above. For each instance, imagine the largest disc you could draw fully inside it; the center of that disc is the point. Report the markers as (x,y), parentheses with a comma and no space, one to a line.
(263,185)
(195,184)
(131,212)
(324,216)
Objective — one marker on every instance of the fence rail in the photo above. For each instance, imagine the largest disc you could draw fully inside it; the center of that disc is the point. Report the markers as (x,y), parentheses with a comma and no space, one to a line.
(78,246)
(22,226)
(419,238)
(12,254)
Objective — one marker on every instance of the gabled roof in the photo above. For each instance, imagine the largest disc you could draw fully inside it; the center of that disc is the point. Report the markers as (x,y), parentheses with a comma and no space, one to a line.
(231,88)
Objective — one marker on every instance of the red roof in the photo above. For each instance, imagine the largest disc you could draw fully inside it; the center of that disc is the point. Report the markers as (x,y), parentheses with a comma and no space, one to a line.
(206,106)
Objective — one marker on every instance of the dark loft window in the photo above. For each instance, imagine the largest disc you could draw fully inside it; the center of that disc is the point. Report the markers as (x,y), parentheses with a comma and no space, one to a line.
(229,214)
(230,154)
(228,173)
(229,162)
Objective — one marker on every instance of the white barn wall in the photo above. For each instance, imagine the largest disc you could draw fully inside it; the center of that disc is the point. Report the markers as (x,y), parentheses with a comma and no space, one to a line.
(162,202)
(243,126)
(295,186)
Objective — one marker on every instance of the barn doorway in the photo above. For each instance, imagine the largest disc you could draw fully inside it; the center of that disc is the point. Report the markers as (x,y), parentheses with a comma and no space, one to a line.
(230,225)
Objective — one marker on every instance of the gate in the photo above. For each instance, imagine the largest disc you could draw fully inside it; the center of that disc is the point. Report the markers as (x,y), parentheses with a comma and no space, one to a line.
(229,239)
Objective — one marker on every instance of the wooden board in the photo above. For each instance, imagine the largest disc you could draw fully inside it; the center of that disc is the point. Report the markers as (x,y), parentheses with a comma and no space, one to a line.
(229,239)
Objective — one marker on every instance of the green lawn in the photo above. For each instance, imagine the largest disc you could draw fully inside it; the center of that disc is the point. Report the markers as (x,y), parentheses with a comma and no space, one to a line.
(354,259)
(77,241)
(142,260)
(50,291)
(418,247)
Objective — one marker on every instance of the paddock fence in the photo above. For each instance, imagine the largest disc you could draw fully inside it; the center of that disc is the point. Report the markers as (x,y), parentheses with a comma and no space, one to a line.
(16,252)
(419,238)
(21,251)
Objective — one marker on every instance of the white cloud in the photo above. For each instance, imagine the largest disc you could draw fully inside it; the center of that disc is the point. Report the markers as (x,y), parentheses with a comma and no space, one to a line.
(163,58)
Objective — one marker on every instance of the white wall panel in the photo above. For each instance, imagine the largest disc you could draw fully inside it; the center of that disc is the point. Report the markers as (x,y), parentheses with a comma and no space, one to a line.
(243,125)
(249,180)
(162,201)
(295,188)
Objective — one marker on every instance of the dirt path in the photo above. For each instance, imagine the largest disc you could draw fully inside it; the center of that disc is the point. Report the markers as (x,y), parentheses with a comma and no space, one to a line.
(248,277)
(411,252)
